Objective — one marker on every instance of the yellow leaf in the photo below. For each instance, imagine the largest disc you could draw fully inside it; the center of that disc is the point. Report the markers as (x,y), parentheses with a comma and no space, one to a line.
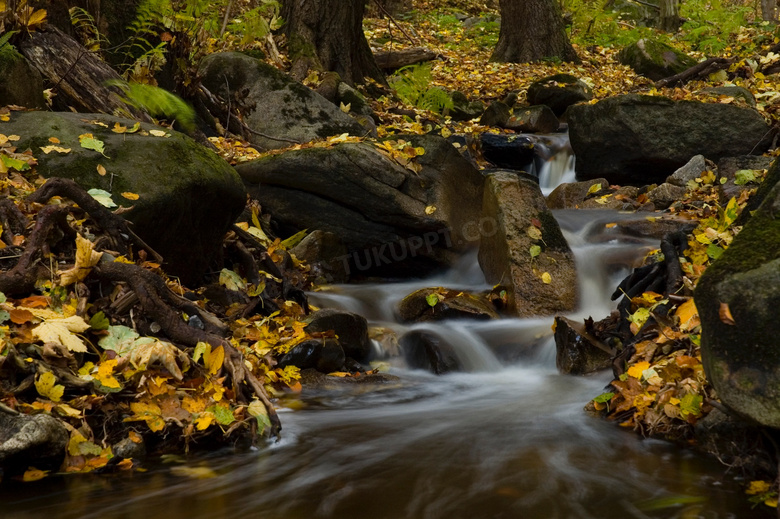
(33,474)
(47,387)
(758,487)
(148,412)
(101,170)
(546,278)
(58,149)
(430,209)
(203,421)
(594,188)
(130,196)
(685,312)
(118,128)
(62,331)
(54,140)
(105,374)
(213,360)
(86,258)
(159,133)
(637,369)
(36,18)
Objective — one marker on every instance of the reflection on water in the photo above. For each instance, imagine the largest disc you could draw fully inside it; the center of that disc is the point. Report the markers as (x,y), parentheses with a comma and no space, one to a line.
(505,441)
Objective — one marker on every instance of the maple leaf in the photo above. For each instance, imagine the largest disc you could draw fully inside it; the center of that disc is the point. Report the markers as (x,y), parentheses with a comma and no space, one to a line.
(86,258)
(47,387)
(62,331)
(148,412)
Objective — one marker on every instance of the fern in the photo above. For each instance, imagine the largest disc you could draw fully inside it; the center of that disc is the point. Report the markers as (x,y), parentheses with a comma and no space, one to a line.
(412,85)
(5,38)
(157,102)
(85,25)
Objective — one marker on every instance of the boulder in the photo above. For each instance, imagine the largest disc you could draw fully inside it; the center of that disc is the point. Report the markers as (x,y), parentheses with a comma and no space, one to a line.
(20,83)
(38,441)
(447,304)
(496,114)
(271,102)
(734,185)
(324,355)
(463,109)
(640,140)
(526,252)
(323,251)
(425,350)
(188,196)
(655,60)
(737,92)
(351,331)
(577,352)
(559,92)
(509,151)
(393,220)
(532,119)
(572,195)
(665,195)
(737,298)
(690,171)
(772,178)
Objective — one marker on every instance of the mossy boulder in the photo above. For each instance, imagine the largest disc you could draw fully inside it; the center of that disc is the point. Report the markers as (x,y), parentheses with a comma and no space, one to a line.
(655,60)
(532,119)
(737,298)
(559,92)
(525,250)
(639,140)
(272,103)
(20,83)
(188,195)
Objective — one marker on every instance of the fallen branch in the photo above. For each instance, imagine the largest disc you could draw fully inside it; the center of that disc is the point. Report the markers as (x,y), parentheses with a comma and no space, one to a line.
(703,69)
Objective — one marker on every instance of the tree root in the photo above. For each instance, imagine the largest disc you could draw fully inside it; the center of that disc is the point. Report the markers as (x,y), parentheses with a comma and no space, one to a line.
(154,300)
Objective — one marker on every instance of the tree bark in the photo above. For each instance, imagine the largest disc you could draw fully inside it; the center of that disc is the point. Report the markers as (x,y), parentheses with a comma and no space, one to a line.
(670,15)
(327,35)
(769,10)
(532,30)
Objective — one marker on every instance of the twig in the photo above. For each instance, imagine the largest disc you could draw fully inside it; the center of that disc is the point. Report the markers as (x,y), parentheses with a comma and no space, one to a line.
(390,17)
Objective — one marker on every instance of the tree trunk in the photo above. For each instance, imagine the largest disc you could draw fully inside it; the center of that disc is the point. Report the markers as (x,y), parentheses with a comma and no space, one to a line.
(670,15)
(328,35)
(532,30)
(769,10)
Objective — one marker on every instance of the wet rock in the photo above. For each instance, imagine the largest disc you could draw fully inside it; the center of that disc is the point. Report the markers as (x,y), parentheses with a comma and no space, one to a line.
(559,92)
(640,140)
(737,298)
(20,83)
(508,151)
(527,253)
(313,380)
(271,102)
(690,171)
(571,195)
(463,109)
(350,329)
(655,227)
(733,186)
(735,442)
(188,197)
(772,178)
(425,350)
(127,448)
(532,119)
(665,195)
(394,222)
(734,91)
(324,355)
(496,114)
(324,252)
(38,440)
(577,352)
(448,304)
(655,60)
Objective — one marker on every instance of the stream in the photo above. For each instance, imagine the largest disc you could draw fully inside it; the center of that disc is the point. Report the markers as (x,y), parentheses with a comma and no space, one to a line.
(507,439)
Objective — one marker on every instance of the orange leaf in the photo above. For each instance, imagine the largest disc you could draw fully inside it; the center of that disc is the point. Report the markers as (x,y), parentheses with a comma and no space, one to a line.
(724,312)
(35,302)
(20,316)
(130,196)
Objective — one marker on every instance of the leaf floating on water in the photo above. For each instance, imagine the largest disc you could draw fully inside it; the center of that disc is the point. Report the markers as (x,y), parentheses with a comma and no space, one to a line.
(33,474)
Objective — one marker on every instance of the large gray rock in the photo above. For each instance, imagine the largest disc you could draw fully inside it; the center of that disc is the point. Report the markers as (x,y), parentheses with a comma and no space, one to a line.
(655,60)
(25,441)
(639,140)
(272,103)
(393,220)
(20,83)
(537,284)
(740,348)
(559,92)
(188,195)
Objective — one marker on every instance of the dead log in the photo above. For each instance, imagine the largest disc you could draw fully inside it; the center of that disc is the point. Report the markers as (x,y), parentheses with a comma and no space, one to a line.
(77,75)
(700,70)
(394,59)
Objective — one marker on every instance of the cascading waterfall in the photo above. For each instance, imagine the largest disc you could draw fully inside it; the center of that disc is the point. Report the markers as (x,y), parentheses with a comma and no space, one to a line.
(507,439)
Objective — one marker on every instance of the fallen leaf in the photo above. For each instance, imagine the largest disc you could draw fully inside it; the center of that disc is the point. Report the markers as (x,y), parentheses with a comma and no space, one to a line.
(89,142)
(546,278)
(724,312)
(47,387)
(130,196)
(58,149)
(86,258)
(101,170)
(62,331)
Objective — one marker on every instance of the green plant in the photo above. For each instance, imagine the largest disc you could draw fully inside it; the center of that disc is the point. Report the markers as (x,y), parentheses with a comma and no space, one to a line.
(85,26)
(711,24)
(412,85)
(157,102)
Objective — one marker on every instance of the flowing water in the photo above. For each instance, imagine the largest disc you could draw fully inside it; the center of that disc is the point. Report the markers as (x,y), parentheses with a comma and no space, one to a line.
(507,439)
